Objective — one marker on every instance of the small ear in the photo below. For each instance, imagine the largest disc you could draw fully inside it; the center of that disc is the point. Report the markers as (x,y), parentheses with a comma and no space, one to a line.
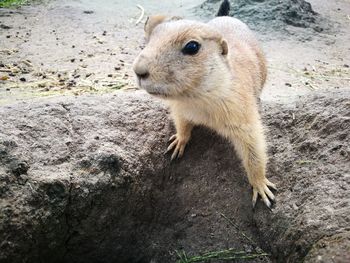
(224,47)
(153,21)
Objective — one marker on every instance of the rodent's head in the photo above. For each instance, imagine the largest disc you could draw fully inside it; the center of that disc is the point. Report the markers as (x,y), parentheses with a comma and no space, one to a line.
(179,57)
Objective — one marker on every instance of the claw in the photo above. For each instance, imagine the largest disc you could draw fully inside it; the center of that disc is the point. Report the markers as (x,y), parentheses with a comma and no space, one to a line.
(179,147)
(173,156)
(255,197)
(172,138)
(272,185)
(171,146)
(181,152)
(265,199)
(269,193)
(265,193)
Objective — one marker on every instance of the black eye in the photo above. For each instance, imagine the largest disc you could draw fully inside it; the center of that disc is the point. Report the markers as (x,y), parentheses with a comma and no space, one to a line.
(191,48)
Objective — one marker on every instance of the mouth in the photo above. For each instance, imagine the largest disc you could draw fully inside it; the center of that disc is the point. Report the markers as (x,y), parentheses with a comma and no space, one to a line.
(154,91)
(157,93)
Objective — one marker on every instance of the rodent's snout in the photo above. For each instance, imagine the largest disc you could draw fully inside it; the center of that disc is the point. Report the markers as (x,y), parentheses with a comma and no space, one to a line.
(141,68)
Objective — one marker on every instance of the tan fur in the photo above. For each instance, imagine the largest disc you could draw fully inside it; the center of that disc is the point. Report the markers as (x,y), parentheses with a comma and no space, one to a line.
(218,87)
(155,20)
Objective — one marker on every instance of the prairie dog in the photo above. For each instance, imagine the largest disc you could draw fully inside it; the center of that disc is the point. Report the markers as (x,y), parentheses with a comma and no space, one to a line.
(209,74)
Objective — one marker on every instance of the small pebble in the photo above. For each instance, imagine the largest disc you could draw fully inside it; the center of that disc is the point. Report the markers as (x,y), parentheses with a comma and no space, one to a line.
(23,79)
(5,26)
(71,83)
(72,60)
(288,84)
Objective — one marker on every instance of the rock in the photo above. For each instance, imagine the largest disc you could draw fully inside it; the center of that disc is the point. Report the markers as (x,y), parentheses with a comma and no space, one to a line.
(2,26)
(91,183)
(276,15)
(18,168)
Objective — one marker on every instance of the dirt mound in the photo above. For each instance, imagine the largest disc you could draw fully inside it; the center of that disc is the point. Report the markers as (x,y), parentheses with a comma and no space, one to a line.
(270,15)
(86,180)
(310,154)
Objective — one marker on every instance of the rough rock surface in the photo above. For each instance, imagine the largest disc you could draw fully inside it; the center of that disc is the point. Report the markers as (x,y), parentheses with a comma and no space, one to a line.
(267,15)
(86,180)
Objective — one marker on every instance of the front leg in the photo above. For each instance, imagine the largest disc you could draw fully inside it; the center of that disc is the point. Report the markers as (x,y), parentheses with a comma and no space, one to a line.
(249,143)
(182,136)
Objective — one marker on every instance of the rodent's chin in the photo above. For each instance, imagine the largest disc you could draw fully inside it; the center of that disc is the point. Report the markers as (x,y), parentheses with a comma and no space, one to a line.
(159,94)
(156,91)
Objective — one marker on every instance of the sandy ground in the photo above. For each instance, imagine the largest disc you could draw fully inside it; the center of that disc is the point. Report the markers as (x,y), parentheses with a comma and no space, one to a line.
(71,47)
(321,63)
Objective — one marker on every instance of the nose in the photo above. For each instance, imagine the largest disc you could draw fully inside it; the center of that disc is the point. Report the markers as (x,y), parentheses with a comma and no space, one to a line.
(143,75)
(141,68)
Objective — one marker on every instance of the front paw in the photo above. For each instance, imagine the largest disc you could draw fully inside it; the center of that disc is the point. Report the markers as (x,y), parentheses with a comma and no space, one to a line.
(262,189)
(179,142)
